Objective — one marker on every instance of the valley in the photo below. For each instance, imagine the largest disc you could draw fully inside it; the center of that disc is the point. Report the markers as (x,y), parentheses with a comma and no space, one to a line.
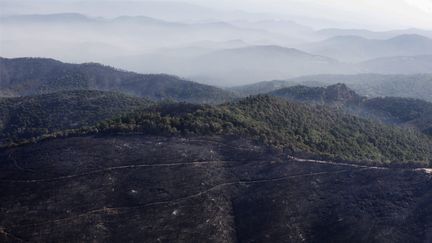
(237,121)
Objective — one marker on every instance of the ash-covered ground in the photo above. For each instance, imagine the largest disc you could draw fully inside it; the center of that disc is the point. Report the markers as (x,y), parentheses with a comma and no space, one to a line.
(134,188)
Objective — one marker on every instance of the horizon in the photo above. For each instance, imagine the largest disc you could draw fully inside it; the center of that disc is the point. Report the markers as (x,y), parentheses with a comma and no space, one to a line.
(371,14)
(213,42)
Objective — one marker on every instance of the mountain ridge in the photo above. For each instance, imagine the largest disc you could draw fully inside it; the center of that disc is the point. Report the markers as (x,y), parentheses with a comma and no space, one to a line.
(24,118)
(404,112)
(350,48)
(26,76)
(417,86)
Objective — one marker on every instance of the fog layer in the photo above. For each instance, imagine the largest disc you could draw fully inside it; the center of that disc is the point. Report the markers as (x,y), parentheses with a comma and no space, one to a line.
(211,44)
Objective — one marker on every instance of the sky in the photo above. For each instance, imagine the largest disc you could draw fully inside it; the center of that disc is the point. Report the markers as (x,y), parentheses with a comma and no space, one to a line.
(187,31)
(371,14)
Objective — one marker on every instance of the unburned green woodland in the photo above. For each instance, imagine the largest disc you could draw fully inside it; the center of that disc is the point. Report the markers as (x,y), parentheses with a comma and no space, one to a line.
(293,127)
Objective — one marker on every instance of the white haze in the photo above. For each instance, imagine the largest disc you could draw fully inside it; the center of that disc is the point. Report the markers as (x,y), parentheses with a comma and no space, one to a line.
(225,42)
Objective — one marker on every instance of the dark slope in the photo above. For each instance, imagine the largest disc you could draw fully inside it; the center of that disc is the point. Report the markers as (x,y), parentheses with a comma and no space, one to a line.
(28,76)
(26,117)
(150,189)
(392,110)
(294,127)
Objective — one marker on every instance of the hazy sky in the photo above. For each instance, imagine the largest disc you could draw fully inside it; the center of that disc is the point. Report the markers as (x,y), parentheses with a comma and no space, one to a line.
(194,44)
(379,13)
(375,14)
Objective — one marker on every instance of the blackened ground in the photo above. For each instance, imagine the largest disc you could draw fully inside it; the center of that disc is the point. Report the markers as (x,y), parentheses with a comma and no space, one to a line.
(207,189)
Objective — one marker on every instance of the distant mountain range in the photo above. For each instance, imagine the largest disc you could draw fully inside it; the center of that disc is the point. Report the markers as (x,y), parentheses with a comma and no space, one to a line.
(236,65)
(257,62)
(356,49)
(331,32)
(140,34)
(30,76)
(398,65)
(214,51)
(241,65)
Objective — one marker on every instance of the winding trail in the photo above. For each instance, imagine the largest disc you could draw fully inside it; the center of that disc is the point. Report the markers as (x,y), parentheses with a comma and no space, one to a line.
(351,168)
(117,210)
(424,169)
(337,163)
(123,167)
(197,163)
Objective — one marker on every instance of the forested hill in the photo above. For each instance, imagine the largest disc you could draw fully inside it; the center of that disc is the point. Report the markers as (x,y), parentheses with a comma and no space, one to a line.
(24,118)
(404,112)
(294,127)
(29,76)
(417,86)
(338,94)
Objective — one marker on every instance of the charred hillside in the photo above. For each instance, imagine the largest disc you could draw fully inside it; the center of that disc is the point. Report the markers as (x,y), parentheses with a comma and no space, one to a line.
(123,169)
(212,189)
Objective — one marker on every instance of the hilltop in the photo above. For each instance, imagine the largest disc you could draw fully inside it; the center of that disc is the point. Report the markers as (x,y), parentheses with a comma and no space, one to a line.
(417,86)
(24,118)
(30,76)
(289,126)
(405,112)
(338,94)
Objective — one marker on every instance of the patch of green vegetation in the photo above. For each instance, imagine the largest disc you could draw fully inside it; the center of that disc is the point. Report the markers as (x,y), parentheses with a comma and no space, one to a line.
(409,112)
(29,117)
(404,112)
(417,86)
(294,127)
(335,95)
